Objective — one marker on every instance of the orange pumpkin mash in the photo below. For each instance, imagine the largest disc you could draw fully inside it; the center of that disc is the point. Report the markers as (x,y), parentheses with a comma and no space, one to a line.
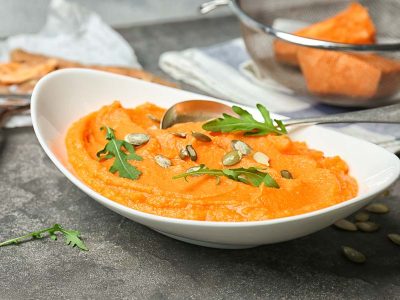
(318,181)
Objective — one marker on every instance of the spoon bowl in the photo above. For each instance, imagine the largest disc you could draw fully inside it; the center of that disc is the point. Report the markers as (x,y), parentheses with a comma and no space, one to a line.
(194,111)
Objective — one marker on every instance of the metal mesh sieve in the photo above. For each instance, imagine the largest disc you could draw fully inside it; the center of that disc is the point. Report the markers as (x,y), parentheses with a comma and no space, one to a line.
(263,21)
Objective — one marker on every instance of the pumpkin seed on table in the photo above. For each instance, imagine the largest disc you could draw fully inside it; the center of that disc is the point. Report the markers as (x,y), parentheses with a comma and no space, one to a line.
(353,255)
(394,237)
(240,146)
(367,226)
(163,161)
(377,208)
(137,139)
(201,137)
(192,153)
(231,158)
(345,225)
(286,174)
(180,134)
(183,153)
(153,118)
(361,216)
(261,158)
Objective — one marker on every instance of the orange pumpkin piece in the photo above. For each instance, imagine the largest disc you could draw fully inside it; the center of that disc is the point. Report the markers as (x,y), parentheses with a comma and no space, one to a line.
(346,74)
(351,26)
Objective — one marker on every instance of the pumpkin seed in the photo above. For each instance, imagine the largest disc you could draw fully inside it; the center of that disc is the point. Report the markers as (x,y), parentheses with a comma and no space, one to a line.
(192,152)
(261,158)
(361,216)
(286,174)
(240,146)
(163,161)
(153,118)
(201,137)
(242,178)
(231,158)
(345,225)
(377,208)
(179,134)
(394,237)
(193,169)
(353,255)
(183,153)
(367,226)
(137,139)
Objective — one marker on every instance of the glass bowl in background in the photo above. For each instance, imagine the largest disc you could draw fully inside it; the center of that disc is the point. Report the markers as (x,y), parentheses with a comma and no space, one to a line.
(263,22)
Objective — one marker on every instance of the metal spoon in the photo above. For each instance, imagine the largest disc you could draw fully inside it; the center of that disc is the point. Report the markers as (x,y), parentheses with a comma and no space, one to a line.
(193,111)
(202,110)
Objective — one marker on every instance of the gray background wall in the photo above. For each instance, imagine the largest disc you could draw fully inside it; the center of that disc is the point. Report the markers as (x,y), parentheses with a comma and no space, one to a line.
(23,16)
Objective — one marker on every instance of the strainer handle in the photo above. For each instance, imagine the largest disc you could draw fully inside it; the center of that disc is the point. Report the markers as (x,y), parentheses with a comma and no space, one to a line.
(206,7)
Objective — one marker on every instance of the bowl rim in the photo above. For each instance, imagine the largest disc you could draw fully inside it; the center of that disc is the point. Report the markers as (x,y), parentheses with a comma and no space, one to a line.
(130,211)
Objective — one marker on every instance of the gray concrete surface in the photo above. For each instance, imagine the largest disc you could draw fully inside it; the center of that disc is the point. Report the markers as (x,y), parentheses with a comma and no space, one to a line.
(22,16)
(129,261)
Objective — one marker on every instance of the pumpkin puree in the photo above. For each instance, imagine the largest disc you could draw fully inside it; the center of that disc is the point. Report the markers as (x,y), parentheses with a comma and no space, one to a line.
(318,181)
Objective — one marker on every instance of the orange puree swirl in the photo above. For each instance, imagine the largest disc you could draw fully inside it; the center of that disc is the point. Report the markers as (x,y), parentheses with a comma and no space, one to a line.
(318,181)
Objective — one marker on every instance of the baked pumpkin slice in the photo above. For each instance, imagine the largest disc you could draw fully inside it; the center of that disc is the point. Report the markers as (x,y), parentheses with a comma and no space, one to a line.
(351,26)
(333,73)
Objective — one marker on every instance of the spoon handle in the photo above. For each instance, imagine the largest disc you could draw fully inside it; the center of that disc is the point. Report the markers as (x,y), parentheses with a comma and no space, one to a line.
(386,114)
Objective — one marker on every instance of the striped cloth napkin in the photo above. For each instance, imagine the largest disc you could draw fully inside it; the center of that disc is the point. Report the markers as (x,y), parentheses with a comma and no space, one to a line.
(227,72)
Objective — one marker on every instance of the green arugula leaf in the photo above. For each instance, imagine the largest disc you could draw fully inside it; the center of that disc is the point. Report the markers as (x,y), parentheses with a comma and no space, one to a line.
(122,152)
(252,176)
(246,123)
(72,237)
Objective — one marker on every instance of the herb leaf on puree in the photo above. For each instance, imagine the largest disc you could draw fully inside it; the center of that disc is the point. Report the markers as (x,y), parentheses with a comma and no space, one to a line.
(246,123)
(115,149)
(252,176)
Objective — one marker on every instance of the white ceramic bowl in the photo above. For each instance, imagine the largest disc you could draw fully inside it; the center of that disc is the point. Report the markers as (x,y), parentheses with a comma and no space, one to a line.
(64,96)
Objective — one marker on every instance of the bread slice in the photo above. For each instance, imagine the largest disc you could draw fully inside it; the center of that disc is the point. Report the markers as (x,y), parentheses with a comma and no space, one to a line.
(15,73)
(21,57)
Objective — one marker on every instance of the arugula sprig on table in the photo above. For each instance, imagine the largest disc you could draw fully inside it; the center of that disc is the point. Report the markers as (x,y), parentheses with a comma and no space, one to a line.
(122,151)
(252,176)
(71,237)
(246,122)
